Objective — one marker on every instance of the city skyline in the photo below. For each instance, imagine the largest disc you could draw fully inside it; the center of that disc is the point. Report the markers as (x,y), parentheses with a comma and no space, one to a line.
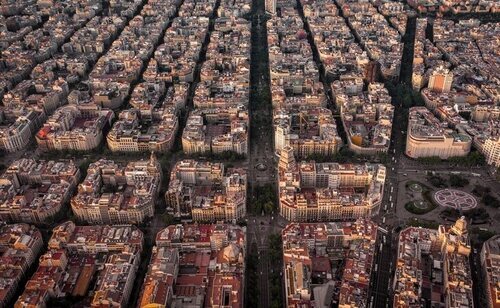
(249,153)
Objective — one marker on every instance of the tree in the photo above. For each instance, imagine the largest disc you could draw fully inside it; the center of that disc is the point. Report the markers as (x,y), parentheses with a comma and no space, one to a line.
(252,277)
(480,191)
(473,159)
(431,160)
(268,207)
(482,235)
(276,258)
(476,214)
(429,224)
(437,181)
(491,201)
(264,199)
(168,219)
(458,181)
(383,157)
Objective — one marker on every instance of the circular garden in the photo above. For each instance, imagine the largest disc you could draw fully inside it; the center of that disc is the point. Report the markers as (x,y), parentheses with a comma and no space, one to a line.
(420,198)
(456,199)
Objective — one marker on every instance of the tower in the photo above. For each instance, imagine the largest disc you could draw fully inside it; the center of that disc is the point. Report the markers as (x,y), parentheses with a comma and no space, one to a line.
(460,227)
(287,160)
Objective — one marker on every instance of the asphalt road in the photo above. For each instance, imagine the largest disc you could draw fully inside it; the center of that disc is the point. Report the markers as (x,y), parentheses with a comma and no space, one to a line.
(261,147)
(258,230)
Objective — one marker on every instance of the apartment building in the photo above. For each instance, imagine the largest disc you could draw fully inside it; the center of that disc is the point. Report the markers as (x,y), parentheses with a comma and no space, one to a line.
(270,7)
(308,130)
(109,256)
(20,245)
(310,251)
(381,42)
(310,191)
(366,116)
(433,267)
(17,132)
(490,264)
(134,133)
(440,79)
(338,51)
(205,191)
(70,129)
(117,194)
(180,248)
(294,74)
(217,130)
(36,191)
(427,137)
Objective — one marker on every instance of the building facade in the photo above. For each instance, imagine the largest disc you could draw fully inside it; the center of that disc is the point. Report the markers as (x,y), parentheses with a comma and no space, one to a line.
(427,136)
(20,245)
(490,265)
(36,191)
(216,130)
(205,192)
(440,79)
(128,133)
(118,194)
(109,256)
(221,284)
(71,129)
(308,130)
(328,191)
(433,267)
(271,7)
(309,252)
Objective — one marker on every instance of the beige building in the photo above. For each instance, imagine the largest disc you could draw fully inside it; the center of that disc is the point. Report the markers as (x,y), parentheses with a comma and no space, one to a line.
(97,263)
(490,263)
(16,134)
(433,267)
(35,191)
(128,133)
(221,283)
(328,191)
(427,137)
(71,129)
(216,130)
(490,148)
(20,245)
(204,192)
(271,7)
(308,130)
(366,116)
(309,252)
(118,194)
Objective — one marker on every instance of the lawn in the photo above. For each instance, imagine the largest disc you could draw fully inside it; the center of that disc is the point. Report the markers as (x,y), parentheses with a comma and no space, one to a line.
(421,204)
(419,207)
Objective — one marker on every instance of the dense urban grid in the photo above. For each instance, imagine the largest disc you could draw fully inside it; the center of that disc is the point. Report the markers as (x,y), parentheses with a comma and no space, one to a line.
(250,153)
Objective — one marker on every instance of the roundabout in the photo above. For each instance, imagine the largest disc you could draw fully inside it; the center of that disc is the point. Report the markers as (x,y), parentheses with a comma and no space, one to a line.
(455,199)
(261,167)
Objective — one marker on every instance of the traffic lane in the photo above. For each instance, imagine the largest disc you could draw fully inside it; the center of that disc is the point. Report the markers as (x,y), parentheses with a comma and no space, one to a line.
(384,262)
